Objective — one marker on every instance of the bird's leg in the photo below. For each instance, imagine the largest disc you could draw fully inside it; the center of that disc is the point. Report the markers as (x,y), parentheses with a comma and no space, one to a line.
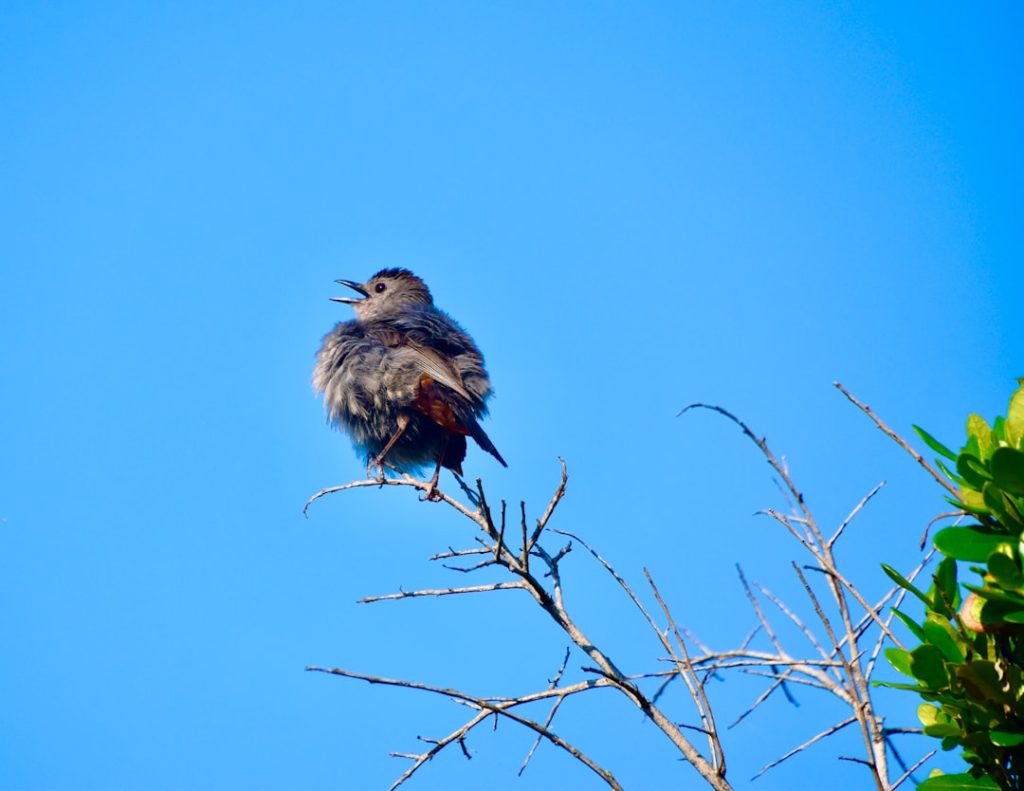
(432,492)
(378,461)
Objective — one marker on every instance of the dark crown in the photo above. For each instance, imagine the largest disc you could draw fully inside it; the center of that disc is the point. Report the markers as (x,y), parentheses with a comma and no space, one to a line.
(396,273)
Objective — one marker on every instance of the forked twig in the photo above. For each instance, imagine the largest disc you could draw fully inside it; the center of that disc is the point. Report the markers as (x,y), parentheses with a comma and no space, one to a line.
(486,707)
(551,714)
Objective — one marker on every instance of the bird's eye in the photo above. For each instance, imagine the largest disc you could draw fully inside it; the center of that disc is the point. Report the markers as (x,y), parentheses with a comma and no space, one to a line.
(380,287)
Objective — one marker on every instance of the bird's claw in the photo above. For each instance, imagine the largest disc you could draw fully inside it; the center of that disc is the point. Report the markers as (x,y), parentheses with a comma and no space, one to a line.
(433,495)
(379,476)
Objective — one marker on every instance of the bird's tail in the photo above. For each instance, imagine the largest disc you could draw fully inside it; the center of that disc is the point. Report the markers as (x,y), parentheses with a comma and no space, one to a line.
(478,434)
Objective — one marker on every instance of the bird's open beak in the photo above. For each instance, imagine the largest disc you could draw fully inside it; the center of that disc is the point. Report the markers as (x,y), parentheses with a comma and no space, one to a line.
(355,287)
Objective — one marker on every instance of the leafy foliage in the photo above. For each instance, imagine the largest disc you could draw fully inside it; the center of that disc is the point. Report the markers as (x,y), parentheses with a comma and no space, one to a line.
(969,665)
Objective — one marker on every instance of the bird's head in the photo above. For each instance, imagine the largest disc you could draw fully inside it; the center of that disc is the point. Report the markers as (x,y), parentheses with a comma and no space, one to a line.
(386,293)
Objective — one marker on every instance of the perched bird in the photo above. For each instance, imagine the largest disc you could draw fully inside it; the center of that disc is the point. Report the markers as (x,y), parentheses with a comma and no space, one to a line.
(403,379)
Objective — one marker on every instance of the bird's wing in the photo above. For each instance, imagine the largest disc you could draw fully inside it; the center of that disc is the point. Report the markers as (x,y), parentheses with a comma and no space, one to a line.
(433,363)
(424,359)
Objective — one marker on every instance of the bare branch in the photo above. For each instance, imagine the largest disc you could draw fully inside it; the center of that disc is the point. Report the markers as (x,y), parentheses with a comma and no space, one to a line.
(913,769)
(524,557)
(899,441)
(500,544)
(856,510)
(622,583)
(824,734)
(693,683)
(488,706)
(792,617)
(556,498)
(551,714)
(834,573)
(791,677)
(949,514)
(458,553)
(753,659)
(407,480)
(759,612)
(787,522)
(773,460)
(497,586)
(458,735)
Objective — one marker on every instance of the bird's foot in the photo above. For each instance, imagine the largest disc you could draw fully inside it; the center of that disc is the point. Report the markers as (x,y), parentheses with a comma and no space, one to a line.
(378,465)
(433,495)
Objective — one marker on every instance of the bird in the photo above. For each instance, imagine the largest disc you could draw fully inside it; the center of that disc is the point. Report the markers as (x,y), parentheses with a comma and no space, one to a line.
(403,379)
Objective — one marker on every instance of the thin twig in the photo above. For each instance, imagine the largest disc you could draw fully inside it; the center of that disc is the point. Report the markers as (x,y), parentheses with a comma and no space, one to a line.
(524,557)
(490,706)
(824,734)
(759,612)
(458,553)
(500,544)
(899,441)
(408,480)
(693,683)
(556,498)
(791,677)
(856,510)
(912,769)
(551,714)
(459,735)
(793,617)
(497,586)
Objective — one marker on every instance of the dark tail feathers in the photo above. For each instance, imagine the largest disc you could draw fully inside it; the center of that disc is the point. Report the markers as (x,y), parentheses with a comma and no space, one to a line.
(484,441)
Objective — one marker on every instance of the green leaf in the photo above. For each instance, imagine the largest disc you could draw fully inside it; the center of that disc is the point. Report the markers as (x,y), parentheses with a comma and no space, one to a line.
(1005,571)
(947,594)
(978,428)
(1004,507)
(943,730)
(982,681)
(911,624)
(994,501)
(926,663)
(1008,470)
(934,444)
(1010,600)
(904,583)
(1015,417)
(972,470)
(1006,738)
(929,714)
(893,685)
(949,473)
(936,722)
(963,782)
(963,543)
(970,501)
(999,428)
(939,635)
(900,660)
(1013,513)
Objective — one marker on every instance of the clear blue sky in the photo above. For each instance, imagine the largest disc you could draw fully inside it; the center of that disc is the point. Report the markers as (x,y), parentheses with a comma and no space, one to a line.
(632,206)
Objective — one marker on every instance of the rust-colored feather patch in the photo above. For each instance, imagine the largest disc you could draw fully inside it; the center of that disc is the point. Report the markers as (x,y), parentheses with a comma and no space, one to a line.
(430,401)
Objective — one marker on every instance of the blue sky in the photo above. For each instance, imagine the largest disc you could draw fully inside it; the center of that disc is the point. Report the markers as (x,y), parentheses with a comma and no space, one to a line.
(631,206)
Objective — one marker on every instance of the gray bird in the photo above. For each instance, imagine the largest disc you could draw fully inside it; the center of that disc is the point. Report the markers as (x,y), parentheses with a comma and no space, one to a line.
(403,379)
